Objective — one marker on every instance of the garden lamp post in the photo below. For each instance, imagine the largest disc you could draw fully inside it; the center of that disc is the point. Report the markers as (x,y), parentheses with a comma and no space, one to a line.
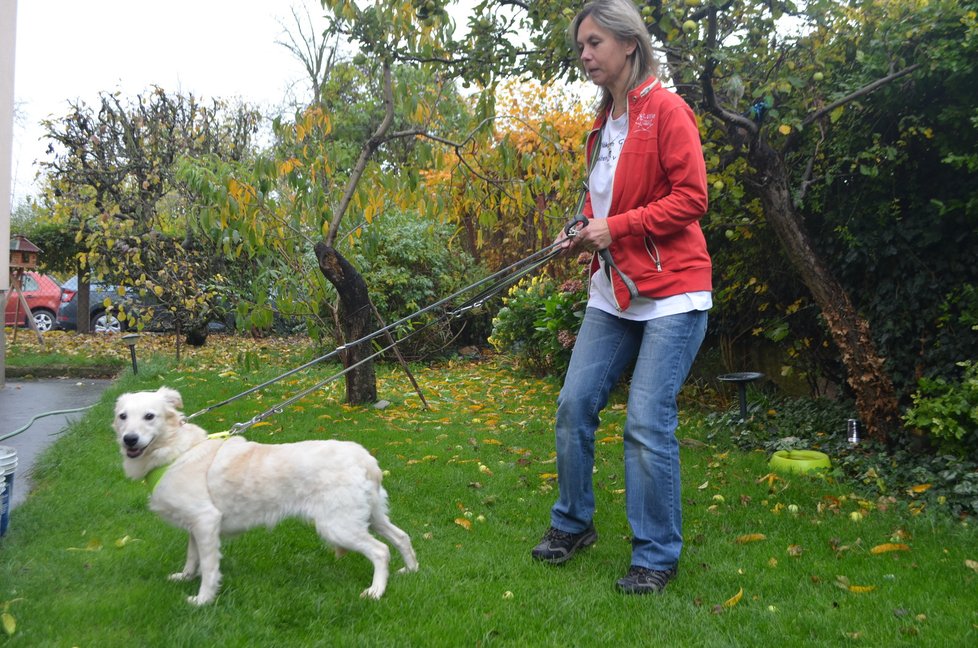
(130,341)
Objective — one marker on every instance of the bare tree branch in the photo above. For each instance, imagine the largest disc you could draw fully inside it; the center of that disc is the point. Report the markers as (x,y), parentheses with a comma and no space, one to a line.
(706,81)
(316,57)
(366,152)
(861,92)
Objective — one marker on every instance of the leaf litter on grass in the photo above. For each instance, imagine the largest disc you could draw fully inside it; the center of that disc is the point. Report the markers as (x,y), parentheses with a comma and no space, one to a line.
(461,450)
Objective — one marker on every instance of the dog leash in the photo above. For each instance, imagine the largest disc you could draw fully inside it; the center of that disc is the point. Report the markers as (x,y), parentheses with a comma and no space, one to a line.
(497,281)
(516,272)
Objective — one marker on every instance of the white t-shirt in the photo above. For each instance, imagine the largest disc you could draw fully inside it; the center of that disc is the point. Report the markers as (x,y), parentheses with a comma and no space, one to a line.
(600,184)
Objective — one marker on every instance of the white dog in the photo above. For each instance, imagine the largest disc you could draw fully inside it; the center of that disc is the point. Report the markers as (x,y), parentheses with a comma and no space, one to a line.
(214,486)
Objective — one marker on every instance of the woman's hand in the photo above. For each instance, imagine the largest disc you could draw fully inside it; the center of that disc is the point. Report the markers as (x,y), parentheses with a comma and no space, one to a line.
(563,242)
(590,236)
(595,236)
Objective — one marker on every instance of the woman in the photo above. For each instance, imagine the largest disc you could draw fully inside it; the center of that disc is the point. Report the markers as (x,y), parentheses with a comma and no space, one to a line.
(646,194)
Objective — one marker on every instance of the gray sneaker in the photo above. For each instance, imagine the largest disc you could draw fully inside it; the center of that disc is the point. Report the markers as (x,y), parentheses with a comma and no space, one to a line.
(640,580)
(558,546)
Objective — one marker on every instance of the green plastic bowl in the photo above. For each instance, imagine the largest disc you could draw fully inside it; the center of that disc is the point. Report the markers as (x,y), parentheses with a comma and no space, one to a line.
(799,461)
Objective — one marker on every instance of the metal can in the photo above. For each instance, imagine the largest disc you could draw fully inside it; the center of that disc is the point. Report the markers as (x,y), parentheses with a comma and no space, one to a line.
(852,430)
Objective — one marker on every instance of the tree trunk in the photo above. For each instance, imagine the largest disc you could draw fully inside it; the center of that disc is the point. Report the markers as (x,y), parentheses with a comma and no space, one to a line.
(876,401)
(177,338)
(355,318)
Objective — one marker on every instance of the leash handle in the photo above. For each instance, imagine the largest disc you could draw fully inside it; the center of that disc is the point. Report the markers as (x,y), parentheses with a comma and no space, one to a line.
(609,265)
(579,222)
(575,225)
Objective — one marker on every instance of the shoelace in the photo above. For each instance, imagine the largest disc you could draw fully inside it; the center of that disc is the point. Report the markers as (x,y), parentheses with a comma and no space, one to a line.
(653,576)
(557,534)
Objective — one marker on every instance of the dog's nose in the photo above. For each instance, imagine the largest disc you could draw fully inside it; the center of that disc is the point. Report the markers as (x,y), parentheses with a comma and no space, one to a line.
(130,440)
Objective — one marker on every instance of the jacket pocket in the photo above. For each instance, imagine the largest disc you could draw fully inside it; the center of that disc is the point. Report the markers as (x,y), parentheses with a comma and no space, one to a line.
(653,253)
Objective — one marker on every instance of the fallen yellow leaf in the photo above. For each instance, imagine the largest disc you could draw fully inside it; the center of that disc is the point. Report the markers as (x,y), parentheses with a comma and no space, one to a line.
(9,623)
(750,537)
(770,478)
(843,583)
(919,488)
(887,547)
(735,599)
(464,523)
(92,545)
(972,565)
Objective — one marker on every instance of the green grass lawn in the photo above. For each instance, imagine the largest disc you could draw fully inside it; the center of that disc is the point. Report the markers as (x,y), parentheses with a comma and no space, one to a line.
(769,559)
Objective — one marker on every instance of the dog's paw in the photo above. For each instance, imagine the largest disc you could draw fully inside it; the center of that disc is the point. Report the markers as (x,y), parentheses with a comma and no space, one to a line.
(199,600)
(408,569)
(372,593)
(180,577)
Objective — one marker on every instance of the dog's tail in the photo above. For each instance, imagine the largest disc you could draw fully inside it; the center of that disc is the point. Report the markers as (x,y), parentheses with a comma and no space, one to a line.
(378,505)
(381,523)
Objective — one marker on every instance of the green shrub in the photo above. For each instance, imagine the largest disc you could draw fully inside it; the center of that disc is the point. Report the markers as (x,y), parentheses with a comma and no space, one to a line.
(776,422)
(538,323)
(948,412)
(409,263)
(900,468)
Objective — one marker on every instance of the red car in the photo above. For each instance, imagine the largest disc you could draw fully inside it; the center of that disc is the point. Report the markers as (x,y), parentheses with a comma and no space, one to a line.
(43,295)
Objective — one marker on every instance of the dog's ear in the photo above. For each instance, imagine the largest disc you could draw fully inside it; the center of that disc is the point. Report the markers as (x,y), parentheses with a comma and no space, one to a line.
(171,397)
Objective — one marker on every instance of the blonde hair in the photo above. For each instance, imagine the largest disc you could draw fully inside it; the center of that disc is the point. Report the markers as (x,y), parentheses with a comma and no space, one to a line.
(622,19)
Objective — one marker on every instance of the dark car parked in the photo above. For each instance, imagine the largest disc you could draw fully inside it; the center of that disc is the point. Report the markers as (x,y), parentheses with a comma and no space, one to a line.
(42,295)
(152,315)
(102,319)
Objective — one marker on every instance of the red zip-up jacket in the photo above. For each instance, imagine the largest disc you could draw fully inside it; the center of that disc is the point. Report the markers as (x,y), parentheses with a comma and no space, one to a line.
(658,197)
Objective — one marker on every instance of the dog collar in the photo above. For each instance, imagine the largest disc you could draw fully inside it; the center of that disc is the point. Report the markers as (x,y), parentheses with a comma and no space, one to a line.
(154,476)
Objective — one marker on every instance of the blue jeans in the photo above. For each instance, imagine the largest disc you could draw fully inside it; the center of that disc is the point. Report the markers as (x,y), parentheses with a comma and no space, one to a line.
(663,350)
